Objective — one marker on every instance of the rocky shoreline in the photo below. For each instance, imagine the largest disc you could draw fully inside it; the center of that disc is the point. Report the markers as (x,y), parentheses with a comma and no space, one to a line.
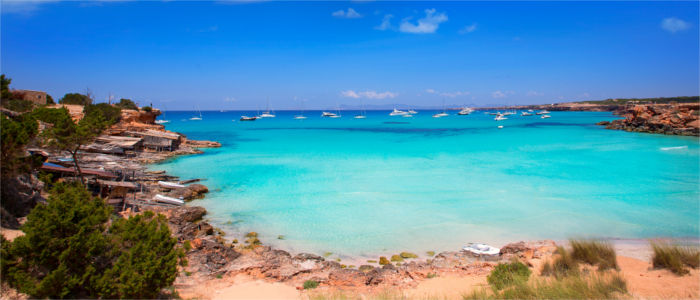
(680,119)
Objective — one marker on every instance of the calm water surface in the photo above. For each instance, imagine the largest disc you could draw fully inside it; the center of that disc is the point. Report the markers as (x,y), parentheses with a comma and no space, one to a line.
(386,184)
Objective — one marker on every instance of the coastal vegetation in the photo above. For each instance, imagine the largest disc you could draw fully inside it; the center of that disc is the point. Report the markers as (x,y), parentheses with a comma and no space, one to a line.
(508,274)
(680,99)
(70,250)
(76,98)
(675,257)
(127,104)
(12,100)
(598,253)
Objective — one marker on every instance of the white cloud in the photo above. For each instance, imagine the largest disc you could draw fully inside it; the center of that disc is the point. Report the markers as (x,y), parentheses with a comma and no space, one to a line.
(674,25)
(349,94)
(368,94)
(427,24)
(501,94)
(468,29)
(386,23)
(534,93)
(349,14)
(447,94)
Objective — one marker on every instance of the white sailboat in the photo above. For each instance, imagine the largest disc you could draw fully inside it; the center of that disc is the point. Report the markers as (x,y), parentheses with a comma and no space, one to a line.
(326,114)
(196,118)
(163,121)
(301,116)
(363,114)
(500,118)
(413,112)
(443,113)
(525,114)
(267,113)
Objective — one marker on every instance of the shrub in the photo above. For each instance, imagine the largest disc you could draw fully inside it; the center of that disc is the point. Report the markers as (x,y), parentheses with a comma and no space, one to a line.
(674,257)
(147,109)
(508,274)
(310,284)
(75,98)
(103,111)
(594,252)
(563,265)
(127,104)
(66,252)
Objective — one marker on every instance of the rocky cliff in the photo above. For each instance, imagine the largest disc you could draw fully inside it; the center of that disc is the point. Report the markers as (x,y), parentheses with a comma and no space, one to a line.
(679,119)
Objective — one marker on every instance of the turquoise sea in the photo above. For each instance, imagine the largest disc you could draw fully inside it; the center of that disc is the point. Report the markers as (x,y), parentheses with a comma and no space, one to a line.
(385,184)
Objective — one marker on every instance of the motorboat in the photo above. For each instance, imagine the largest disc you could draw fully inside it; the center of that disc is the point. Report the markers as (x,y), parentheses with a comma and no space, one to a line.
(170,185)
(246,118)
(326,114)
(169,200)
(500,118)
(360,117)
(299,117)
(162,121)
(397,112)
(413,112)
(408,116)
(500,126)
(481,249)
(525,114)
(465,111)
(440,115)
(267,114)
(544,112)
(545,117)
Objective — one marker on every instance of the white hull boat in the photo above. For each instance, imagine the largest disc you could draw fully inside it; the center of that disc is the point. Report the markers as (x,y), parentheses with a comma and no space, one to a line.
(170,185)
(360,117)
(440,115)
(545,117)
(162,121)
(246,118)
(482,249)
(413,112)
(500,118)
(465,111)
(299,117)
(267,115)
(397,112)
(170,200)
(326,114)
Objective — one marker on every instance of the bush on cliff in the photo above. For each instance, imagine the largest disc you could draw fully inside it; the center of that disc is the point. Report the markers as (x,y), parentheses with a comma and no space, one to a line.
(66,252)
(127,104)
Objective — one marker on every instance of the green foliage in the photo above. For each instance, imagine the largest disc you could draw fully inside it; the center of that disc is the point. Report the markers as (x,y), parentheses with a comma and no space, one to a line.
(593,252)
(408,255)
(5,87)
(127,104)
(396,258)
(49,99)
(75,98)
(505,275)
(675,257)
(592,286)
(622,101)
(384,261)
(18,105)
(147,258)
(103,111)
(62,248)
(147,109)
(66,252)
(563,265)
(431,275)
(310,284)
(15,133)
(430,253)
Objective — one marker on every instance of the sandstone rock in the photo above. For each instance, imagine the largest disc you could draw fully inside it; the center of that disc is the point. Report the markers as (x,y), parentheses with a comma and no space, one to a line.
(365,268)
(347,277)
(308,256)
(186,214)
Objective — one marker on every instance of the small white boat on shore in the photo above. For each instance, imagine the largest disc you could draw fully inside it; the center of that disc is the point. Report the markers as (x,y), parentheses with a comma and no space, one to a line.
(482,249)
(170,185)
(170,200)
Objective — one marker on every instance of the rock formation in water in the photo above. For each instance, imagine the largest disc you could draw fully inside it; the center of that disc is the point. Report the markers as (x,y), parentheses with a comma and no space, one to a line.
(679,119)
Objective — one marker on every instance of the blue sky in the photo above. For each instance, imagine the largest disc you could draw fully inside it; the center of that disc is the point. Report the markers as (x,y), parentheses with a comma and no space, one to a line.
(234,55)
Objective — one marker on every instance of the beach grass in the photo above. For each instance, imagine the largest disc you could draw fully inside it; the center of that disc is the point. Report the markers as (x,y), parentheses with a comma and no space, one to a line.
(508,274)
(674,257)
(594,252)
(596,285)
(563,265)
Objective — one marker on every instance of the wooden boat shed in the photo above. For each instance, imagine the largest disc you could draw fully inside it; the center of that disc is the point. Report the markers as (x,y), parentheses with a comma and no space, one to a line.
(158,140)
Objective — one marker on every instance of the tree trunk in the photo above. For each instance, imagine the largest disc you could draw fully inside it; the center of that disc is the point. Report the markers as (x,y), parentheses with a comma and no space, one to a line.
(77,166)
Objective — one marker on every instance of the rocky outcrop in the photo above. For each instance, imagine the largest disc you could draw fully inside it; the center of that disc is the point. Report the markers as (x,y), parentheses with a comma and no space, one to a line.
(19,195)
(191,192)
(679,119)
(202,144)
